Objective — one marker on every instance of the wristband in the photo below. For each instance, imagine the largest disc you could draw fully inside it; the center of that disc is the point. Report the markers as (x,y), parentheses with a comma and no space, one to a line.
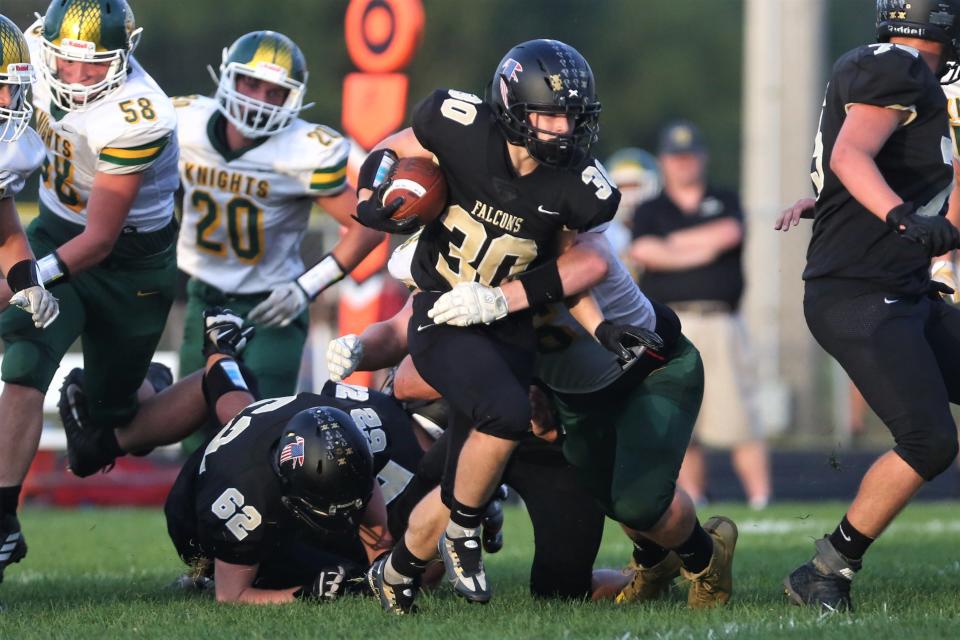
(320,276)
(542,284)
(52,269)
(23,275)
(223,378)
(376,168)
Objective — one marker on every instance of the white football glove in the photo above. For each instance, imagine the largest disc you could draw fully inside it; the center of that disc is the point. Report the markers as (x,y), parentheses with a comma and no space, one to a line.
(39,303)
(944,271)
(281,307)
(343,356)
(469,303)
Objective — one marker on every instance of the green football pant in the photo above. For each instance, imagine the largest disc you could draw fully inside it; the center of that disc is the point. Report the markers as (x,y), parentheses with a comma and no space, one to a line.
(627,441)
(118,309)
(273,354)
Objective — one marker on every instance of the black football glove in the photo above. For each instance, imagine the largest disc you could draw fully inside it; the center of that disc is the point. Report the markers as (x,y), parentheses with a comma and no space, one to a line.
(371,213)
(935,233)
(330,584)
(629,343)
(223,332)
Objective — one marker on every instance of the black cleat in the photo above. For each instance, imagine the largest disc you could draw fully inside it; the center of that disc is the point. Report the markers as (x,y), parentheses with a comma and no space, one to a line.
(463,560)
(493,527)
(159,376)
(13,546)
(87,452)
(824,582)
(394,598)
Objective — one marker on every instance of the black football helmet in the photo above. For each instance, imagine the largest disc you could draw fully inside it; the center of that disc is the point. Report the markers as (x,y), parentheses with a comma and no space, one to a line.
(326,468)
(546,76)
(937,20)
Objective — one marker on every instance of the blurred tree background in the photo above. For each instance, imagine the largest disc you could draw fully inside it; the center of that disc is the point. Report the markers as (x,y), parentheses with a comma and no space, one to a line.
(654,60)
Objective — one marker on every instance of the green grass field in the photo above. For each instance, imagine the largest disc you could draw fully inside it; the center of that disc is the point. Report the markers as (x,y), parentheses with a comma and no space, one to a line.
(104,573)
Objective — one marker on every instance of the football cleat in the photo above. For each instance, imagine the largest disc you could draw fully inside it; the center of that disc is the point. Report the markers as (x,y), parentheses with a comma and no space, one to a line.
(824,582)
(463,560)
(394,598)
(13,546)
(190,583)
(493,522)
(713,585)
(650,583)
(86,453)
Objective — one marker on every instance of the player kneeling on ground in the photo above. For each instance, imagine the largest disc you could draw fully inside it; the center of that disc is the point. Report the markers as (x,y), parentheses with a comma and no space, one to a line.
(299,472)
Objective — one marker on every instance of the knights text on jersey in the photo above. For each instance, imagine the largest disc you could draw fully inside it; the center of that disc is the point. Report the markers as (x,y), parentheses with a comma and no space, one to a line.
(245,213)
(496,224)
(234,494)
(19,159)
(916,161)
(131,130)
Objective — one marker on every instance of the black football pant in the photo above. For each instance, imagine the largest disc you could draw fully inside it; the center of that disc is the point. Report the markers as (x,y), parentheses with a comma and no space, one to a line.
(903,354)
(483,372)
(567,523)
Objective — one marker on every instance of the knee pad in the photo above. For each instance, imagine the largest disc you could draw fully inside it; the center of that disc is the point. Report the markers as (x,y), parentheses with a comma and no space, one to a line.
(640,509)
(929,451)
(26,363)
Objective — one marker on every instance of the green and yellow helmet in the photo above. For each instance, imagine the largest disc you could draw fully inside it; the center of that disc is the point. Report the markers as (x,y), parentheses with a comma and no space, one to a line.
(271,57)
(637,174)
(93,31)
(16,74)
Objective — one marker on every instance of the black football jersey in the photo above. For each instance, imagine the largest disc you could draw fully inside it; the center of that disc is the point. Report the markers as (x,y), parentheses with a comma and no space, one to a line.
(916,161)
(231,494)
(497,224)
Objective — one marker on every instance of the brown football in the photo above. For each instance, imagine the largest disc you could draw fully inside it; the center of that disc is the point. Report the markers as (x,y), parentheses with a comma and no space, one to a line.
(420,182)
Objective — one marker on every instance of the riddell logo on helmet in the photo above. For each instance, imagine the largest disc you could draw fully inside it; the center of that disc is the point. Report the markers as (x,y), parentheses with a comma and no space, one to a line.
(904,30)
(83,47)
(274,71)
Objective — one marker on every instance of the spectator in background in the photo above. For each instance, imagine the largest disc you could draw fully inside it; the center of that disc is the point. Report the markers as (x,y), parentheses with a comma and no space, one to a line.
(688,243)
(638,177)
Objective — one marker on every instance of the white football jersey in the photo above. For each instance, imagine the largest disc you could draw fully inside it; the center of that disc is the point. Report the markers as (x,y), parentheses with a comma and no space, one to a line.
(131,130)
(18,159)
(245,214)
(569,359)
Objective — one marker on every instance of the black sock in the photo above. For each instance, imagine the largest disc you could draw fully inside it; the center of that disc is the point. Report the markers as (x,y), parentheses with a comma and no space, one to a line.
(466,517)
(404,563)
(696,551)
(648,553)
(849,542)
(9,499)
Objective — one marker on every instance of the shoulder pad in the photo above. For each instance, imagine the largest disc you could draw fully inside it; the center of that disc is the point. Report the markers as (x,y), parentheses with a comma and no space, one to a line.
(883,75)
(316,155)
(445,115)
(591,197)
